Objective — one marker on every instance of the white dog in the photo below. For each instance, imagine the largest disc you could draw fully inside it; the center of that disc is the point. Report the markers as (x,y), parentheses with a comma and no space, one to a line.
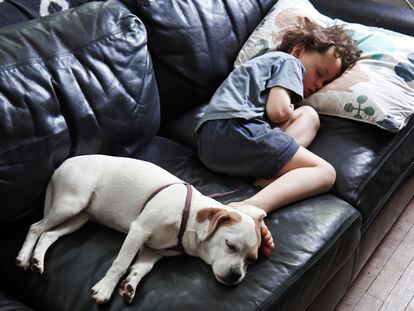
(151,206)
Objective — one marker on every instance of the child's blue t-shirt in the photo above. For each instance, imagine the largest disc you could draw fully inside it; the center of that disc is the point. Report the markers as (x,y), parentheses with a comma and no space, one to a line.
(244,93)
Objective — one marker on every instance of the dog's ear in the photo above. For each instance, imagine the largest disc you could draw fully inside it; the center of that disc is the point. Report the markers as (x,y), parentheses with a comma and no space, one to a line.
(210,218)
(252,211)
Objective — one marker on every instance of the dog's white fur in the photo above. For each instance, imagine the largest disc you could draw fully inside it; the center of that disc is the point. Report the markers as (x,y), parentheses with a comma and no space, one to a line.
(112,191)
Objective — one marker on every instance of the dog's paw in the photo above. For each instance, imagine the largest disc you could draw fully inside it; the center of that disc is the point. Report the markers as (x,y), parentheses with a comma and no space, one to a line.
(127,291)
(22,263)
(37,265)
(101,292)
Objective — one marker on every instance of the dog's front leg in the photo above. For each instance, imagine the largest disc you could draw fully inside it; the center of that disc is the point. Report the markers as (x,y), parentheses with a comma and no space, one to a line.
(144,263)
(134,240)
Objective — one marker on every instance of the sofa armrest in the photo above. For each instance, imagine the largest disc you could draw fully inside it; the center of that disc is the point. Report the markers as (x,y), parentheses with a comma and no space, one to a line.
(369,13)
(73,83)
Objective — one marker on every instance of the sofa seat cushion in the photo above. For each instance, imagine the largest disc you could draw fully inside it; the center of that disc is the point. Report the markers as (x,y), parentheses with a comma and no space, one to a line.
(76,82)
(370,163)
(314,238)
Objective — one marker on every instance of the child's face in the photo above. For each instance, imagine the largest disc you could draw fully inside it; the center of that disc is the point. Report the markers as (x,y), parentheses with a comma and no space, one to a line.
(320,68)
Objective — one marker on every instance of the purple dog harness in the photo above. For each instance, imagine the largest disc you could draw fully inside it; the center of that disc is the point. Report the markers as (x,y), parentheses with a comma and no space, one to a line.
(184,218)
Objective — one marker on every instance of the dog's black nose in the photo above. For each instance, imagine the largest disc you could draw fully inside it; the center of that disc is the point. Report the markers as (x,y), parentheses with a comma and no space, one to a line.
(233,276)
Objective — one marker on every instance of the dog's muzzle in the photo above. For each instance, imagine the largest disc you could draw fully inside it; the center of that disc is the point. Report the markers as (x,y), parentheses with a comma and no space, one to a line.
(232,277)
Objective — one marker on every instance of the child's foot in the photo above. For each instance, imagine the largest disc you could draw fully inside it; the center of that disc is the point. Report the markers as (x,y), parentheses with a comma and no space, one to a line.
(267,244)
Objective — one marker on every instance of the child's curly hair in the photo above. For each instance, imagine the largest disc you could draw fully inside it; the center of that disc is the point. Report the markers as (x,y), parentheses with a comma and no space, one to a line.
(320,39)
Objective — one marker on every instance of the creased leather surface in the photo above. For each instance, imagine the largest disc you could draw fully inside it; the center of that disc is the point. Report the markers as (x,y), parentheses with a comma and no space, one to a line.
(72,83)
(313,239)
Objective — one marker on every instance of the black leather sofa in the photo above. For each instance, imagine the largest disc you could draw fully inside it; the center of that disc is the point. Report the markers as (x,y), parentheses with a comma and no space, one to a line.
(96,79)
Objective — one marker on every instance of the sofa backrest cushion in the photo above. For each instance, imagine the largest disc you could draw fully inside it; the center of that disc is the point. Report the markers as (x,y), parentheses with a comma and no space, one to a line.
(76,82)
(194,43)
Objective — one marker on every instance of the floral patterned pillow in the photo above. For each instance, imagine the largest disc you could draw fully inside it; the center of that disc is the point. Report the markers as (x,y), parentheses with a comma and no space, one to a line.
(379,89)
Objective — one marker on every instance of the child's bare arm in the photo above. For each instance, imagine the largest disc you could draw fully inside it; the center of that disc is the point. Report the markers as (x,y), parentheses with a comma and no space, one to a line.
(278,105)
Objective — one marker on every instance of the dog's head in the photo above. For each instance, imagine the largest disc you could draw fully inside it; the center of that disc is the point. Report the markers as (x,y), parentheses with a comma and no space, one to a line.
(229,240)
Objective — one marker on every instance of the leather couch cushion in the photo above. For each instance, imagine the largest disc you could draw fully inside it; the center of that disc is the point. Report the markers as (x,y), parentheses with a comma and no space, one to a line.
(194,44)
(314,238)
(77,82)
(370,163)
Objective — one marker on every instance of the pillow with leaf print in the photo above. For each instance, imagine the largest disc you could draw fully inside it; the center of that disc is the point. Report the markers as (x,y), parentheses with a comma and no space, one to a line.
(378,89)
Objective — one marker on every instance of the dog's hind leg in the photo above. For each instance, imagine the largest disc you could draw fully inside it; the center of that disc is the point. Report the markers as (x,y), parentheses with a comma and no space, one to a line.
(63,208)
(134,240)
(144,263)
(36,229)
(49,237)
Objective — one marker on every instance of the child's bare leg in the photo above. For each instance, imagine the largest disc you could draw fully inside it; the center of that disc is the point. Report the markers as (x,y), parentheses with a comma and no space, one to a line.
(305,175)
(303,125)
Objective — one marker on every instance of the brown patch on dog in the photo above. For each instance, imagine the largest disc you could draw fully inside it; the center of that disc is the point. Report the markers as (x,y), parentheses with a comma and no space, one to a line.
(217,216)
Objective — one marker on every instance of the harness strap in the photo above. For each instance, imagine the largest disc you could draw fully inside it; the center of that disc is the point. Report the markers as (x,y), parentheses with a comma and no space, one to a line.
(156,192)
(184,217)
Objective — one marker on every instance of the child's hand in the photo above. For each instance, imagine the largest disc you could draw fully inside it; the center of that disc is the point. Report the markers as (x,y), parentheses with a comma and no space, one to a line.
(278,107)
(284,125)
(267,244)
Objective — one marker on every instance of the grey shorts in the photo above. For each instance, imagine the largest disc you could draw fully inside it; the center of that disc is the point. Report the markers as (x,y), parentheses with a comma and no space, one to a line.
(245,148)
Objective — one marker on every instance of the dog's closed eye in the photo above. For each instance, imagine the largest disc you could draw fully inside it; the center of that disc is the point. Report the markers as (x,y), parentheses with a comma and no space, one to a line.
(231,246)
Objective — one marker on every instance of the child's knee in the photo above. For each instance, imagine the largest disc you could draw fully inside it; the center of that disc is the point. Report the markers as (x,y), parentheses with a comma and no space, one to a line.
(311,115)
(329,175)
